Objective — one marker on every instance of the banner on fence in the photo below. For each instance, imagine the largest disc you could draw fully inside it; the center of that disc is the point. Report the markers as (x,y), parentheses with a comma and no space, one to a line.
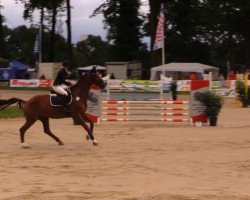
(45,83)
(24,83)
(94,103)
(116,84)
(197,108)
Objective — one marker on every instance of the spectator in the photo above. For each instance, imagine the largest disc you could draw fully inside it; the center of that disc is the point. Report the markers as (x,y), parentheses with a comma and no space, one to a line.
(42,77)
(221,77)
(192,76)
(112,76)
(232,75)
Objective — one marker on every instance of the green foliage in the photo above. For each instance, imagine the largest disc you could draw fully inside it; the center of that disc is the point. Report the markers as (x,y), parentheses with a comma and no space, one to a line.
(11,112)
(4,62)
(2,42)
(25,88)
(209,31)
(20,44)
(123,23)
(93,50)
(241,94)
(212,102)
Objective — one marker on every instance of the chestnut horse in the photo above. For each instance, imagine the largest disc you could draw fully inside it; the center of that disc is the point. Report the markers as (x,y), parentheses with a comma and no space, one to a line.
(38,107)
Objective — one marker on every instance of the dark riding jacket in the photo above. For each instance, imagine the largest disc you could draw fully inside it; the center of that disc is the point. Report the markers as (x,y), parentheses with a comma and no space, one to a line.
(61,78)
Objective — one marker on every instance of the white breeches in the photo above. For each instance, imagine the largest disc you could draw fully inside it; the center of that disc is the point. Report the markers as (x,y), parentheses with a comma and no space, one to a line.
(59,89)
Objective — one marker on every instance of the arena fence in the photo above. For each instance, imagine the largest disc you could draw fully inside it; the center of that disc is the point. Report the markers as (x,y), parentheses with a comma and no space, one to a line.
(155,110)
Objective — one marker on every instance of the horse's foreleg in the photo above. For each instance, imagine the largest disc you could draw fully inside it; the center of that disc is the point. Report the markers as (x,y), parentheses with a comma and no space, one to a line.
(88,130)
(47,130)
(23,129)
(91,128)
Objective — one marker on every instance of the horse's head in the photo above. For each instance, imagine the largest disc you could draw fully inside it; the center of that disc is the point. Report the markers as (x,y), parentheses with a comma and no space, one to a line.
(94,78)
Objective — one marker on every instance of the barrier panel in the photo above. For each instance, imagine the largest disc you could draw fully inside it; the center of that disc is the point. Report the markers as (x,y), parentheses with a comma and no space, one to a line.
(158,87)
(157,110)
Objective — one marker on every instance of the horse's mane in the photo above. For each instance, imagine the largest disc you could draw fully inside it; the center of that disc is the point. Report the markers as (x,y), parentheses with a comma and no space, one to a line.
(79,80)
(84,78)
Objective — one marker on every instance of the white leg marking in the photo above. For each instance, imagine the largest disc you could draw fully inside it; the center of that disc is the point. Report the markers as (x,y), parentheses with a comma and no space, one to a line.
(95,142)
(25,146)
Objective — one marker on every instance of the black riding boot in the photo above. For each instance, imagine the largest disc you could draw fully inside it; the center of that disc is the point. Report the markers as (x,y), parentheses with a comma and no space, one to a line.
(66,108)
(64,105)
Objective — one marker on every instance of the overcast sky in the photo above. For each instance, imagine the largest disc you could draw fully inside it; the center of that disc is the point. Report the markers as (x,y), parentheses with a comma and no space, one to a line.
(81,23)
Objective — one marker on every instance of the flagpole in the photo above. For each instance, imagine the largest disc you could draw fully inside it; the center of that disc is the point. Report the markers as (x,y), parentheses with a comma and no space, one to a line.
(163,39)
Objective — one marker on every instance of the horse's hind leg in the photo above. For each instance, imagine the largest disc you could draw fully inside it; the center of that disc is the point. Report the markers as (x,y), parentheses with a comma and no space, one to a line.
(24,128)
(47,130)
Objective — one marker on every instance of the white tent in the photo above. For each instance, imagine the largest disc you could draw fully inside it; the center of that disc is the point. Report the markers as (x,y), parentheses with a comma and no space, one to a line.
(172,69)
(87,68)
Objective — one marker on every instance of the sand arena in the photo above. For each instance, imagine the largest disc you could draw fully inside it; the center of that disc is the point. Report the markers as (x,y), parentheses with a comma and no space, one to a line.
(146,161)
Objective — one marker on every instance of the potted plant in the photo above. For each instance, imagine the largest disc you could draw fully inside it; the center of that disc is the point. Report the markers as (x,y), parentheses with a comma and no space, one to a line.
(242,95)
(173,89)
(213,103)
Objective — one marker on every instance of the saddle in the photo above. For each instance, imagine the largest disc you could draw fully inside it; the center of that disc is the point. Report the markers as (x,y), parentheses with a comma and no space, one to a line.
(60,100)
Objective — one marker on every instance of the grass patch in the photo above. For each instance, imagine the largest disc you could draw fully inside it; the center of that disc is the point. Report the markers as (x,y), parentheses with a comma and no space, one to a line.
(24,88)
(11,112)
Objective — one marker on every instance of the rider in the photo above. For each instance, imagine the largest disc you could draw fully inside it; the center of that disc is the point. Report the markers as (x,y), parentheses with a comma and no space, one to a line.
(60,80)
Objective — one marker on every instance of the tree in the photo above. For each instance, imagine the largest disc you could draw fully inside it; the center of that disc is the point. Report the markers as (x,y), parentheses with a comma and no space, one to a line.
(52,8)
(70,53)
(227,31)
(19,45)
(123,22)
(29,7)
(181,25)
(209,31)
(92,51)
(2,42)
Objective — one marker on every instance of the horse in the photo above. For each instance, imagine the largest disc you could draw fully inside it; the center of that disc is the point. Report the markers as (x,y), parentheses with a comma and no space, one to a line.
(38,107)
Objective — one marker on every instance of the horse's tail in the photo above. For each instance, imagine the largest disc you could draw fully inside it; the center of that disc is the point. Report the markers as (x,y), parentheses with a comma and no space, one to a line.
(5,103)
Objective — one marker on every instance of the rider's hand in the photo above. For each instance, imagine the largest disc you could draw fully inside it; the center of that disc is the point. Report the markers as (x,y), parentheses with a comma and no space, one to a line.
(69,84)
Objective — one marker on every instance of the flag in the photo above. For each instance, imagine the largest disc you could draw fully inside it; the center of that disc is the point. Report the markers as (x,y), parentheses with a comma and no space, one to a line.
(36,46)
(159,37)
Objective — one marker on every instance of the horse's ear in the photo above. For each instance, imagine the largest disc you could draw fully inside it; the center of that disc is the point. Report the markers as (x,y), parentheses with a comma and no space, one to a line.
(93,70)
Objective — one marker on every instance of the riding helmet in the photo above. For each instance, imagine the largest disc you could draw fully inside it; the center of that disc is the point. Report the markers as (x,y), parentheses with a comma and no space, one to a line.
(66,63)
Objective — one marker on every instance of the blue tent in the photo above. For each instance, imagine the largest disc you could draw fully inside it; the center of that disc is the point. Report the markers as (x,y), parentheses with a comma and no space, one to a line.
(16,64)
(15,70)
(7,73)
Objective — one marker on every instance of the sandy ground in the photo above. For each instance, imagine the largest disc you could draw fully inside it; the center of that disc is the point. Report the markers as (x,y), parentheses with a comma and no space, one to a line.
(146,161)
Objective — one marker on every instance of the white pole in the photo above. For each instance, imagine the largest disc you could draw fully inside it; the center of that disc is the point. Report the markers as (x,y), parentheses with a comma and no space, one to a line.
(161,87)
(210,80)
(107,87)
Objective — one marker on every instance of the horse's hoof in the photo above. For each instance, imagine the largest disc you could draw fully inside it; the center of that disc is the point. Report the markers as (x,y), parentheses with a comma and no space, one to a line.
(25,146)
(87,137)
(95,143)
(60,143)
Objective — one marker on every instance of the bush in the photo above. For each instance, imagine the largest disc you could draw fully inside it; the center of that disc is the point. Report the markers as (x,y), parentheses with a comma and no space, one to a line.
(241,94)
(212,102)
